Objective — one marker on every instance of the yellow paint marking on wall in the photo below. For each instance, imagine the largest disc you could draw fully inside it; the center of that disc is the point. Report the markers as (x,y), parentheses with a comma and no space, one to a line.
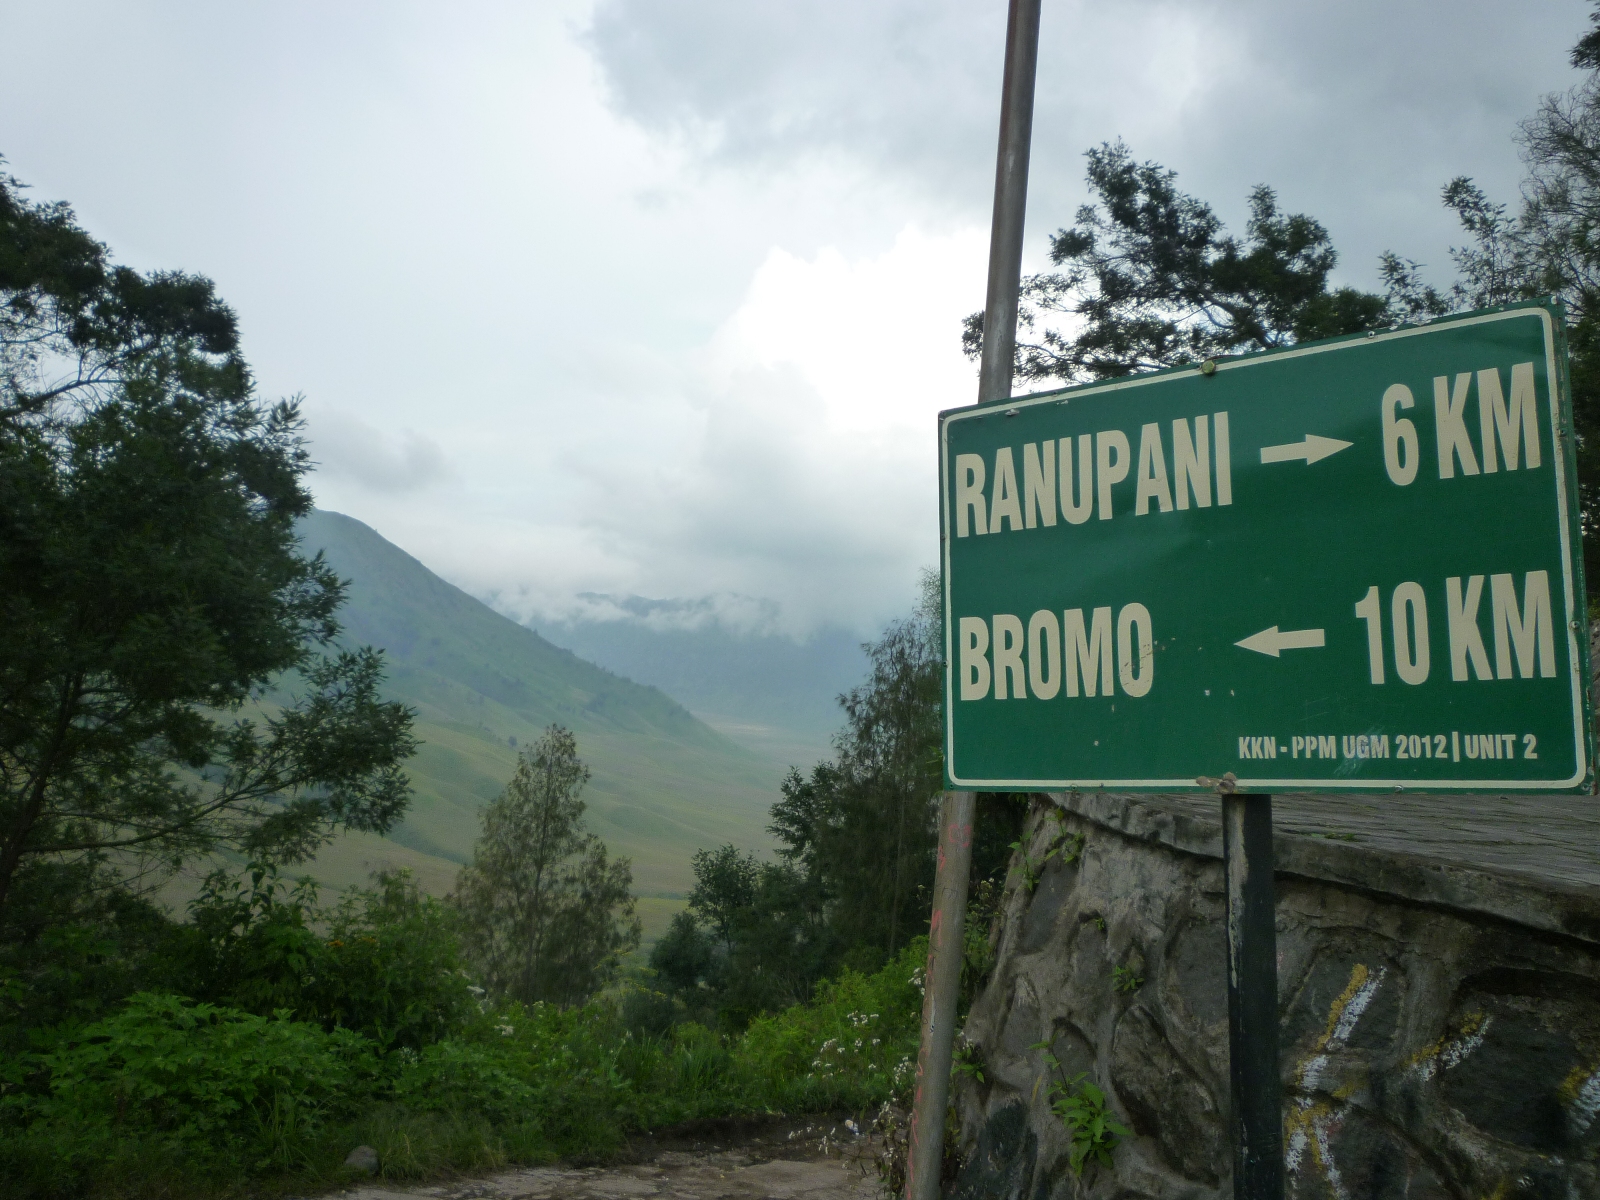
(1307,1124)
(1358,977)
(1573,1083)
(1470,1025)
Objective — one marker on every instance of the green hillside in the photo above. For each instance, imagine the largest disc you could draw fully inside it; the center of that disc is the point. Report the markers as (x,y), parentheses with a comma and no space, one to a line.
(664,785)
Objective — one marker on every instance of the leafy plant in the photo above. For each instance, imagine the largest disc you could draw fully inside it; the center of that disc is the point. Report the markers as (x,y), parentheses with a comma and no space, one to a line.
(1032,871)
(1072,850)
(454,1076)
(1125,979)
(1082,1109)
(968,1060)
(1081,1106)
(977,954)
(855,1044)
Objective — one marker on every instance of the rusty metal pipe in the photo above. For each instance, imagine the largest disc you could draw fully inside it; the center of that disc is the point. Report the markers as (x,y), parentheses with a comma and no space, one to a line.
(943,983)
(941,990)
(1010,203)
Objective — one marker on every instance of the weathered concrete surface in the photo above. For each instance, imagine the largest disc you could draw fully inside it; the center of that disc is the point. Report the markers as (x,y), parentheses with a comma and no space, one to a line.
(1439,982)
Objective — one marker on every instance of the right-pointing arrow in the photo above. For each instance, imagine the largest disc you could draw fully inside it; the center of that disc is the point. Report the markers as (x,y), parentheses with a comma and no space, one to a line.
(1314,448)
(1274,641)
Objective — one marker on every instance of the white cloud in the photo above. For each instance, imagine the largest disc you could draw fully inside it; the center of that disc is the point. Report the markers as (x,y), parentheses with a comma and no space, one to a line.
(621,297)
(878,338)
(1357,110)
(348,448)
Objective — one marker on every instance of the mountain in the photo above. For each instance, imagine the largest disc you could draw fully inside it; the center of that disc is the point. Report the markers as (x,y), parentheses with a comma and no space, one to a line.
(773,693)
(664,783)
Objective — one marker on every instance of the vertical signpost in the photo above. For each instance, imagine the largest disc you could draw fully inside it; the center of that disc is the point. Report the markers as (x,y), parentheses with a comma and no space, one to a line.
(1352,565)
(1254,1085)
(942,980)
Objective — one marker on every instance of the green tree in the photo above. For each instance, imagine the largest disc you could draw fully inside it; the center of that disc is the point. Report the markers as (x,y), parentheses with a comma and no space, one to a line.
(683,958)
(725,883)
(1148,277)
(1550,246)
(546,914)
(153,592)
(860,828)
(767,940)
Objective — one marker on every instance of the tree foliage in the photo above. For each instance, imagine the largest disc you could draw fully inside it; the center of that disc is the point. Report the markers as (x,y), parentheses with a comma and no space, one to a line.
(384,961)
(1548,246)
(153,590)
(861,827)
(755,939)
(546,914)
(857,838)
(1148,277)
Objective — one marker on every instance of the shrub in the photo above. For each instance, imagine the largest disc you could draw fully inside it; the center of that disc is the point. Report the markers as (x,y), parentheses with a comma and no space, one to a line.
(458,1077)
(395,970)
(385,961)
(216,1085)
(854,1045)
(166,1091)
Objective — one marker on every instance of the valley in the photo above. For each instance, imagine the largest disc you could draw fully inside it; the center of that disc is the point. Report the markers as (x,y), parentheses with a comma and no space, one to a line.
(665,782)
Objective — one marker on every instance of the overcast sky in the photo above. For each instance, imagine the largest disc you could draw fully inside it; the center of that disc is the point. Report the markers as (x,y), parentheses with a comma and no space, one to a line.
(661,296)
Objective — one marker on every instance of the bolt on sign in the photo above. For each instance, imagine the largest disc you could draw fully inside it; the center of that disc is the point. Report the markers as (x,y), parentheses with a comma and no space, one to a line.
(1353,564)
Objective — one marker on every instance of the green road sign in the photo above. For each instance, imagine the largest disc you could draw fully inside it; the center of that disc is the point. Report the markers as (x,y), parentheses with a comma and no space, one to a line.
(1354,564)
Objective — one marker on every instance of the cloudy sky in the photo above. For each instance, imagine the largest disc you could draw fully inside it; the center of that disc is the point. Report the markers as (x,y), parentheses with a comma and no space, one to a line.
(660,297)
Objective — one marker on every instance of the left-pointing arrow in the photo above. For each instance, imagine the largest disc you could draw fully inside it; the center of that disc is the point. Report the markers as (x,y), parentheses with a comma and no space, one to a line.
(1314,448)
(1274,641)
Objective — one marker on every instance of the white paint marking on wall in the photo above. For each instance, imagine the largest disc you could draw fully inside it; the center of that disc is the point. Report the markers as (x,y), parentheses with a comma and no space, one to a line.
(1453,1054)
(1311,1071)
(1330,1169)
(1298,1140)
(1456,1053)
(1586,1104)
(1314,1120)
(1346,1023)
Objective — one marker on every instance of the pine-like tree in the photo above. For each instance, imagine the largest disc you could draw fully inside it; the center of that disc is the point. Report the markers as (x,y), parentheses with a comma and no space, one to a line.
(547,915)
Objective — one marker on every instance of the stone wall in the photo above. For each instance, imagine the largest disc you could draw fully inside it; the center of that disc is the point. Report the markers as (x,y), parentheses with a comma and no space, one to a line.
(1439,984)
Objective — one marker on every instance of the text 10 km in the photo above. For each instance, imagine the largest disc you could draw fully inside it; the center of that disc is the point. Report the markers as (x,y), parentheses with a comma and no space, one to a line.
(1068,651)
(1522,631)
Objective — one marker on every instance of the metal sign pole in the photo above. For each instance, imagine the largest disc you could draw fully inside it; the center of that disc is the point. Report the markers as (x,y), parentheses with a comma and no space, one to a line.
(1252,998)
(943,982)
(1010,203)
(941,991)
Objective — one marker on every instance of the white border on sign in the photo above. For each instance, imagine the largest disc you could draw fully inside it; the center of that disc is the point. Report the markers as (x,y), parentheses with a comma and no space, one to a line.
(1574,655)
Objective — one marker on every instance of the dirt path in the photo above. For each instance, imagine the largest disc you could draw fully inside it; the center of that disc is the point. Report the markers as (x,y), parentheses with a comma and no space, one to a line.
(805,1162)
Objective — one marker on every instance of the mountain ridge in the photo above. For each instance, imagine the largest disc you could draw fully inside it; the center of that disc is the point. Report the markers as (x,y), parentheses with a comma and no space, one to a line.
(664,783)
